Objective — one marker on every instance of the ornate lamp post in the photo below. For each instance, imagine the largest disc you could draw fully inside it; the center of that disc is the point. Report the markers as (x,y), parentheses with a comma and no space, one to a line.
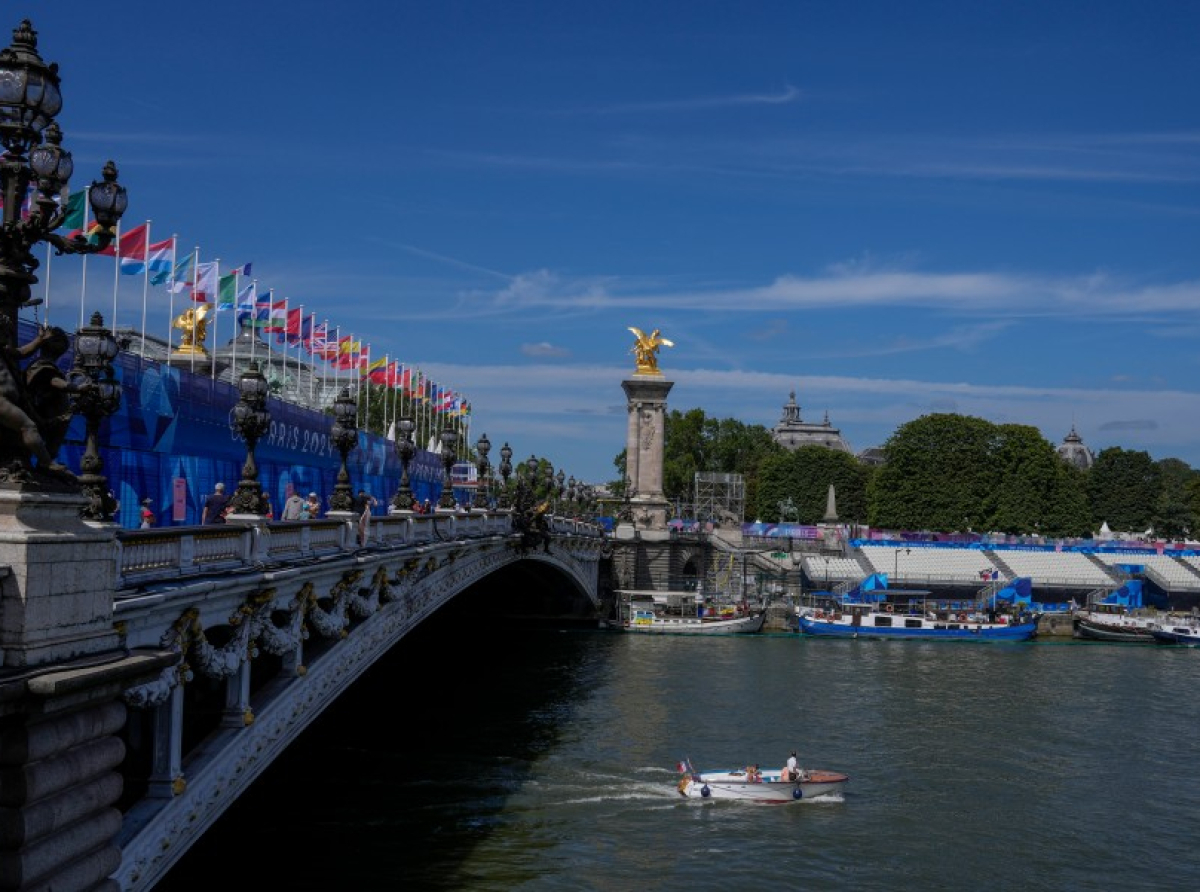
(345,437)
(559,489)
(506,468)
(548,483)
(482,447)
(29,101)
(449,439)
(95,348)
(251,418)
(405,450)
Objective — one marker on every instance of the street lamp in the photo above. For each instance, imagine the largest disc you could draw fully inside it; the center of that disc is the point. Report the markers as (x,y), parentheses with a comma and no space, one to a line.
(405,450)
(251,419)
(30,99)
(95,349)
(896,561)
(506,468)
(558,491)
(344,434)
(449,438)
(482,447)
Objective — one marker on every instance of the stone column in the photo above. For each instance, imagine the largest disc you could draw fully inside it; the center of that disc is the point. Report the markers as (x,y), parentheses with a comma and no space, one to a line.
(646,397)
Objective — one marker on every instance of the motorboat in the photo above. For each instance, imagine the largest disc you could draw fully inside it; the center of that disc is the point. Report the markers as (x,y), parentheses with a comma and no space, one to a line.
(1120,627)
(1184,632)
(1105,621)
(684,613)
(749,785)
(886,620)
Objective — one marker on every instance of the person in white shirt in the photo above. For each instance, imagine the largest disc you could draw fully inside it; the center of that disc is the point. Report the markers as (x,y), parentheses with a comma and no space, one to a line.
(792,771)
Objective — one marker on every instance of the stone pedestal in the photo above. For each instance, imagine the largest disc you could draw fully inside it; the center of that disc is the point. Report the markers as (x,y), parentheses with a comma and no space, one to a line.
(56,603)
(646,397)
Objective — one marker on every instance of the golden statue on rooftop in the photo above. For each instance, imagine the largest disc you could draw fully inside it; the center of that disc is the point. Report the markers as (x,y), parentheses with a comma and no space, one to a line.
(194,324)
(646,350)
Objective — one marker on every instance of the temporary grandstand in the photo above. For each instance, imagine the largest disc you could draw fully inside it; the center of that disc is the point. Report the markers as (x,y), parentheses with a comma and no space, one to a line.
(971,569)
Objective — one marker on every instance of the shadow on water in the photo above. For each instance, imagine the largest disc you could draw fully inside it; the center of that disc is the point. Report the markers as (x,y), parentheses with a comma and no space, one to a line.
(411,766)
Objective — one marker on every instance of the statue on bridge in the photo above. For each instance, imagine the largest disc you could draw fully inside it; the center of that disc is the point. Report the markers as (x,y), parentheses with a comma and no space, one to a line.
(645,349)
(530,520)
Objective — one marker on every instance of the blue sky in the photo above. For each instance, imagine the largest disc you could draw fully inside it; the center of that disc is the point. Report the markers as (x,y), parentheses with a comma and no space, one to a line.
(891,208)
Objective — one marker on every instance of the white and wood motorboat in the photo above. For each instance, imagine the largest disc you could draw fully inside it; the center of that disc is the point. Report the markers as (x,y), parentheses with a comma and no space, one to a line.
(1114,622)
(747,785)
(684,613)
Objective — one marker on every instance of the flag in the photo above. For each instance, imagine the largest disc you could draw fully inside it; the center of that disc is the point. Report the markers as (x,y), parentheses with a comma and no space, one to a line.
(159,258)
(318,342)
(76,211)
(206,282)
(132,246)
(181,276)
(245,301)
(373,367)
(257,311)
(240,270)
(277,316)
(227,292)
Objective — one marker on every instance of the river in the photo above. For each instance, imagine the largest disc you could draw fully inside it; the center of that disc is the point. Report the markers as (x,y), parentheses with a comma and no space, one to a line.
(545,760)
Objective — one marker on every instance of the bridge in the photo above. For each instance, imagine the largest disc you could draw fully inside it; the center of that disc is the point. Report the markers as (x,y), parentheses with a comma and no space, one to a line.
(132,724)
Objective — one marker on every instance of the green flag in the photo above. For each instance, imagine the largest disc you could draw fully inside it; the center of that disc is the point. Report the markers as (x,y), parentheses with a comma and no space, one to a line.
(226,291)
(76,211)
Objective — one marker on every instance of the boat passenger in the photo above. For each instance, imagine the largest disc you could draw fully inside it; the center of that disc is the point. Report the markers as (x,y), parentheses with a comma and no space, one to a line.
(791,771)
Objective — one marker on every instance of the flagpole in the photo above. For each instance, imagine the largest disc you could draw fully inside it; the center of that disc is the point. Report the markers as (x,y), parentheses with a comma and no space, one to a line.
(83,271)
(112,324)
(145,288)
(171,293)
(233,359)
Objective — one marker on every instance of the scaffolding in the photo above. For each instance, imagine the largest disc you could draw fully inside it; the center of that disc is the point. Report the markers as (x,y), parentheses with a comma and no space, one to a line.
(720,497)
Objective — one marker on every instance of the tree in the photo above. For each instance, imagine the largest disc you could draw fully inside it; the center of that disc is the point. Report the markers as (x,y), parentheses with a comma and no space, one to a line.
(1026,472)
(1173,516)
(804,477)
(938,474)
(1123,488)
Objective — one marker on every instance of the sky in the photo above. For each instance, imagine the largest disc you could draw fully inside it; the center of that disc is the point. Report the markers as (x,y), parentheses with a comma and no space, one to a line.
(891,209)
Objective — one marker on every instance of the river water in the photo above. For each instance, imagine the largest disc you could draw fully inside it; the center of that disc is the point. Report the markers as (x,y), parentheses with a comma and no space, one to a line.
(545,760)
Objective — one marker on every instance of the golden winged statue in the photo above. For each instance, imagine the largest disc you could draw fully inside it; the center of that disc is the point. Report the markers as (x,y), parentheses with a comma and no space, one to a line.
(193,322)
(646,350)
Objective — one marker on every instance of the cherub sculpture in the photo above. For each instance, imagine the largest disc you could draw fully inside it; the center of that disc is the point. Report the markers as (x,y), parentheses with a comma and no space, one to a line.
(646,350)
(193,322)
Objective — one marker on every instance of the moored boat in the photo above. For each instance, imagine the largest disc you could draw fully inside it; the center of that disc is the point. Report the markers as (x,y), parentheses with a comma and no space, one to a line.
(884,621)
(1118,627)
(747,785)
(684,613)
(1119,617)
(1184,632)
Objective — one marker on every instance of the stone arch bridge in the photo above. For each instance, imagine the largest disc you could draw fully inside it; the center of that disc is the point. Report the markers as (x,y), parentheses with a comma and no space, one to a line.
(230,642)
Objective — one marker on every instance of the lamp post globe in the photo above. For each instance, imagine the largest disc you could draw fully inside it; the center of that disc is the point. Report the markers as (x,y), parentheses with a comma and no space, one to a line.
(449,438)
(33,156)
(405,450)
(251,419)
(344,434)
(95,348)
(482,490)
